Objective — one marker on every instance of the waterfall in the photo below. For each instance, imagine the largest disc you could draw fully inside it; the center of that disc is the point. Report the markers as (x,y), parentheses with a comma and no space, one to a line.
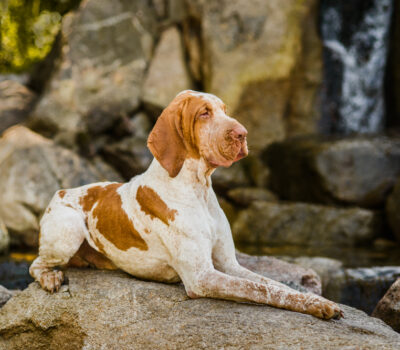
(355,39)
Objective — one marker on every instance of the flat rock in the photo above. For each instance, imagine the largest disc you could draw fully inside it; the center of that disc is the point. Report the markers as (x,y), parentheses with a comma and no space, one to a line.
(388,308)
(111,310)
(355,170)
(32,169)
(304,224)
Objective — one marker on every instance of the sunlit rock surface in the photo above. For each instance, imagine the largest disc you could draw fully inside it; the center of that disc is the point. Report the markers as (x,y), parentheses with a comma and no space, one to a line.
(263,58)
(105,52)
(112,310)
(32,169)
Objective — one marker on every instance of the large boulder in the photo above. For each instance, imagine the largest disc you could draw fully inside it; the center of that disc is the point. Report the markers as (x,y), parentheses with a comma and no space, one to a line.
(16,103)
(388,308)
(263,58)
(359,170)
(111,310)
(393,210)
(167,74)
(302,224)
(106,49)
(360,287)
(32,169)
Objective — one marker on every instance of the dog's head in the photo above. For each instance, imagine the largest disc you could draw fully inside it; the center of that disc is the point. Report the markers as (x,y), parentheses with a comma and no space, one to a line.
(195,125)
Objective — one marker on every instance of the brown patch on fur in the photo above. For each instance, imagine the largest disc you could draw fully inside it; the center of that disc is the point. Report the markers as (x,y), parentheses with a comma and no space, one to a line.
(112,221)
(152,204)
(173,139)
(87,256)
(61,193)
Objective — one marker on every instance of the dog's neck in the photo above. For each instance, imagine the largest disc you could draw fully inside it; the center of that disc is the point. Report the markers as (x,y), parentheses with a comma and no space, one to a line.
(195,173)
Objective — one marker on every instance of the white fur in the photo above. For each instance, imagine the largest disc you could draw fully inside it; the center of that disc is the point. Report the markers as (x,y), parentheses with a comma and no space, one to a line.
(196,247)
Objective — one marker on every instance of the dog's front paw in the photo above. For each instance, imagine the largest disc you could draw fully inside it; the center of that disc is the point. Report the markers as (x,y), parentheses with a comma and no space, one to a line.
(51,280)
(325,309)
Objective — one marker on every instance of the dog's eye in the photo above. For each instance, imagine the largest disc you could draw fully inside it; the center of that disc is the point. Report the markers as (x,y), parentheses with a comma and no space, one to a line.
(204,115)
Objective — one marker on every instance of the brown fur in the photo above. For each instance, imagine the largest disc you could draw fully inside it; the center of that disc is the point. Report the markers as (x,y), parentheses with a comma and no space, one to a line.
(112,221)
(173,139)
(61,193)
(151,203)
(87,256)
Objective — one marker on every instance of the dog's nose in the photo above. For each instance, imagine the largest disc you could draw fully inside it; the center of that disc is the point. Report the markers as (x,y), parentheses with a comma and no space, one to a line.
(239,132)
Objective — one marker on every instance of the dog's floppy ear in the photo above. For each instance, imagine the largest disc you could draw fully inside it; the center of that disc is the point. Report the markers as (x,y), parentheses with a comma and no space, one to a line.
(166,140)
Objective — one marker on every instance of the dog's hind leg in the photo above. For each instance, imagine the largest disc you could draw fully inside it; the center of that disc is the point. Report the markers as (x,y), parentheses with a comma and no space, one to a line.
(62,231)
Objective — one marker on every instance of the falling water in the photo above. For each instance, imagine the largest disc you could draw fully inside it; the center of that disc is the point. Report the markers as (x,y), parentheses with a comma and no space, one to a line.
(355,38)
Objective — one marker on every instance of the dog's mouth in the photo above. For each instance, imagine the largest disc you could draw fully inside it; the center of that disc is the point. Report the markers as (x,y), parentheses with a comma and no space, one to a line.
(228,159)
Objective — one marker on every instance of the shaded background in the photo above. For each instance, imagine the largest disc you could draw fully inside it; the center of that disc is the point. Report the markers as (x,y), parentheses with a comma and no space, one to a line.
(315,82)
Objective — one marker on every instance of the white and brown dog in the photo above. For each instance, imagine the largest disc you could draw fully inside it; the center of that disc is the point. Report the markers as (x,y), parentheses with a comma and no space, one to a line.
(165,224)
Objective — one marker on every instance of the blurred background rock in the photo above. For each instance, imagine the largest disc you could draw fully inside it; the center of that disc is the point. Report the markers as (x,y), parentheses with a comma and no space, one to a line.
(315,82)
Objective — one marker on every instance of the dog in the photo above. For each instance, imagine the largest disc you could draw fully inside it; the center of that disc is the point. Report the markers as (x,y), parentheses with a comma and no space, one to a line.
(166,224)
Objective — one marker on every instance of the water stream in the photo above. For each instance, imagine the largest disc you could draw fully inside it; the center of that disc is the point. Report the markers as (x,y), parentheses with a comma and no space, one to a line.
(355,40)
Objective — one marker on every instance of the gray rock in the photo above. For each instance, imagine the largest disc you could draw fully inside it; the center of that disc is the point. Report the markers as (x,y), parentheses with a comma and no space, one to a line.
(32,169)
(16,101)
(224,179)
(393,210)
(246,195)
(388,308)
(105,52)
(112,310)
(4,237)
(361,288)
(304,225)
(130,156)
(167,74)
(5,295)
(359,170)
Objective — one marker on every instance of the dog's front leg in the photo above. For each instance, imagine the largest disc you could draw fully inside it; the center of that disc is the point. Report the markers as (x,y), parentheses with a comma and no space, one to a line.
(215,284)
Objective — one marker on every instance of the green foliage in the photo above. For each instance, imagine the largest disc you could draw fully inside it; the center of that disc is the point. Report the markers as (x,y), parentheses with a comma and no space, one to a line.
(28,29)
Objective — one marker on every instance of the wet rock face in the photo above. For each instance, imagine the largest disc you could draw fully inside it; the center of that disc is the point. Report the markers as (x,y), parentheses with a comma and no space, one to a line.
(358,171)
(393,210)
(32,169)
(388,308)
(304,224)
(112,310)
(106,49)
